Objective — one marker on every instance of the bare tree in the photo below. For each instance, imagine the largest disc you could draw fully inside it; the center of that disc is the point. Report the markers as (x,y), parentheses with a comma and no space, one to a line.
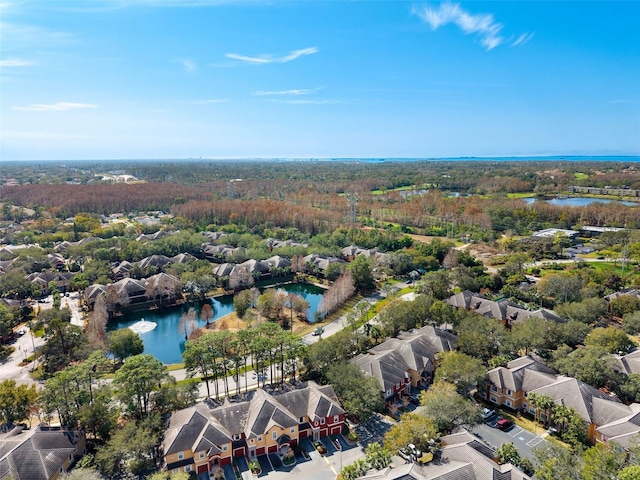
(240,278)
(97,324)
(188,323)
(207,312)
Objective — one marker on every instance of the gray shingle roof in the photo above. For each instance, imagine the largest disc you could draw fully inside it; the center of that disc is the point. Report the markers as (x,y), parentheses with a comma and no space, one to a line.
(199,428)
(35,454)
(390,361)
(524,373)
(577,395)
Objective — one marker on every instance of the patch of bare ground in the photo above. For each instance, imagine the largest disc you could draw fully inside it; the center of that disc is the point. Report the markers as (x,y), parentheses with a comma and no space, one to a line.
(421,238)
(233,323)
(484,252)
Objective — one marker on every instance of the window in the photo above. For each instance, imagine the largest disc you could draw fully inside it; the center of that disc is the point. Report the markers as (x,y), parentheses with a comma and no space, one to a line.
(236,437)
(494,399)
(187,468)
(259,438)
(508,392)
(322,421)
(180,455)
(251,440)
(274,435)
(201,454)
(224,448)
(494,388)
(508,403)
(336,419)
(292,429)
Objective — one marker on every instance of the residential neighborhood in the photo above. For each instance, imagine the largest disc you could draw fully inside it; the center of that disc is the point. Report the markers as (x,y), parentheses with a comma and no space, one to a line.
(168,348)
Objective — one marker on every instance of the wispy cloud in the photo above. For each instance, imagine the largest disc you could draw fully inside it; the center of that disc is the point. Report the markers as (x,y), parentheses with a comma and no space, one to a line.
(623,101)
(20,36)
(483,25)
(522,39)
(188,64)
(300,91)
(15,62)
(304,102)
(54,107)
(266,58)
(207,101)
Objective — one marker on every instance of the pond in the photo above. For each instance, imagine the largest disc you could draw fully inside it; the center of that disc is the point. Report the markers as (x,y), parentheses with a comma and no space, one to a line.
(166,343)
(580,201)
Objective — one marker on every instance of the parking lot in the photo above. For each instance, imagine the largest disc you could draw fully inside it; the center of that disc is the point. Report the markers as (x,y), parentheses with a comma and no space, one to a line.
(314,467)
(372,430)
(524,440)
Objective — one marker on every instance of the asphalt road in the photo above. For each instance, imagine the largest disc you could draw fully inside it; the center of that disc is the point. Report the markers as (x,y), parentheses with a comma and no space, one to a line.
(524,440)
(10,368)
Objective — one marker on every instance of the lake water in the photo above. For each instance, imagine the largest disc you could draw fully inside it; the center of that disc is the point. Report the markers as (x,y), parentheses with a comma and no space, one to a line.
(166,342)
(580,201)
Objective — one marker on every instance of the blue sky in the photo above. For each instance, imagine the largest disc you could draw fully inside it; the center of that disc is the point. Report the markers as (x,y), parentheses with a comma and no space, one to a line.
(102,79)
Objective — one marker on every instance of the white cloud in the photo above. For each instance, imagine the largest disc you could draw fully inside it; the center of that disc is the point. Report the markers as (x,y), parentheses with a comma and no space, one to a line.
(189,65)
(26,36)
(15,62)
(207,101)
(300,91)
(54,107)
(305,102)
(482,25)
(266,58)
(522,39)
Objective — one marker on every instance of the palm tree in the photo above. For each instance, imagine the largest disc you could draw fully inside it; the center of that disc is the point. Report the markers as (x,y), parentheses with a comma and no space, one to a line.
(546,404)
(244,350)
(377,456)
(534,403)
(561,415)
(196,358)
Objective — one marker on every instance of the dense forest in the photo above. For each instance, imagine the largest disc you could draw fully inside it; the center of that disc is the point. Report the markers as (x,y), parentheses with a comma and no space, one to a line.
(428,197)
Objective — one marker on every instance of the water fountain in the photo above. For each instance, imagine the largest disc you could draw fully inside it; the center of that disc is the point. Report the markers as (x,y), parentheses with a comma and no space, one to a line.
(143,326)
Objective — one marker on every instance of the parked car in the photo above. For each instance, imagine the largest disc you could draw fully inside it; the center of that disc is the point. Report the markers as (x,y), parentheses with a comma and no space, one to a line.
(322,450)
(487,413)
(317,331)
(504,424)
(21,332)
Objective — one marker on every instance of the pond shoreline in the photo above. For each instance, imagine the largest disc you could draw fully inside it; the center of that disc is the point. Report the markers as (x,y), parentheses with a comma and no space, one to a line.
(166,341)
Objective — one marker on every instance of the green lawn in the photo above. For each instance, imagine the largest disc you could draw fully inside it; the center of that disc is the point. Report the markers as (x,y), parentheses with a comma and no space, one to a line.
(521,195)
(580,176)
(400,189)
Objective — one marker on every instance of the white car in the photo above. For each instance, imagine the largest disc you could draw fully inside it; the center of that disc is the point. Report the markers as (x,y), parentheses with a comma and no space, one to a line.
(487,413)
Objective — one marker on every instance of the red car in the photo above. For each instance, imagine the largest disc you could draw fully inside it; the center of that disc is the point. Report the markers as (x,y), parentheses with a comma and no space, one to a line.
(504,424)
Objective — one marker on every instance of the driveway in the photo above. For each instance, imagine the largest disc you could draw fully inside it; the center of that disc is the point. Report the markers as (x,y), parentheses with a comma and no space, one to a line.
(10,368)
(265,464)
(372,430)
